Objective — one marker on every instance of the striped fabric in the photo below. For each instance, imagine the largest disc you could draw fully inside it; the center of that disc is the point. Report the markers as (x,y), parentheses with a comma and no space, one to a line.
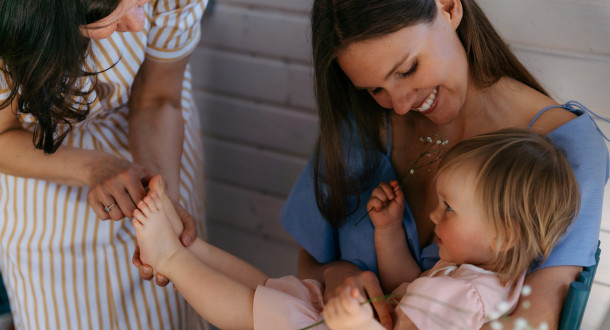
(62,266)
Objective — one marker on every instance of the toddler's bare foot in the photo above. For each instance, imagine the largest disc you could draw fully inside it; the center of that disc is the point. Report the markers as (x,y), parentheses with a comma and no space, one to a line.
(158,186)
(156,238)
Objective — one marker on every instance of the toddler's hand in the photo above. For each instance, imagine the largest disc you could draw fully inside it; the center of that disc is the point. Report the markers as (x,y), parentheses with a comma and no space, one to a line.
(387,204)
(345,311)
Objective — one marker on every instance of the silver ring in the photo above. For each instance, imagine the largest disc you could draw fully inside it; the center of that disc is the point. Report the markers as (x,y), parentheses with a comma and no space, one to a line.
(109,207)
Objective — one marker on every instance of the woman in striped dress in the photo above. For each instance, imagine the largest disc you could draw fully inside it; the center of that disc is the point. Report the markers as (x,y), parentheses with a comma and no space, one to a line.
(95,98)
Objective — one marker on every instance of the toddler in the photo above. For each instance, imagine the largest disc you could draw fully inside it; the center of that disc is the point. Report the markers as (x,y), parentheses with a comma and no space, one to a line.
(504,200)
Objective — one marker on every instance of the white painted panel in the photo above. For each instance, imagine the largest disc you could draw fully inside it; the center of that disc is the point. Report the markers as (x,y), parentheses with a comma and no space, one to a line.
(247,210)
(569,76)
(243,166)
(597,305)
(248,30)
(576,25)
(256,124)
(244,76)
(289,5)
(274,258)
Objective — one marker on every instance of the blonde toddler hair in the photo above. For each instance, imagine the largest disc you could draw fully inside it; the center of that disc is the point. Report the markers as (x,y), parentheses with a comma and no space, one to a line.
(527,190)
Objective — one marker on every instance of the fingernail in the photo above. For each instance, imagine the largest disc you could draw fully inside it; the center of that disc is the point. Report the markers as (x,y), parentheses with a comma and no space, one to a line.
(146,271)
(186,241)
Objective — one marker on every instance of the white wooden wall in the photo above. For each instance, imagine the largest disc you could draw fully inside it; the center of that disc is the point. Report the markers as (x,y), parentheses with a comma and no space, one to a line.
(253,82)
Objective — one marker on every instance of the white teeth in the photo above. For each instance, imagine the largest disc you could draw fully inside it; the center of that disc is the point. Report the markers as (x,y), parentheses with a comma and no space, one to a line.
(426,105)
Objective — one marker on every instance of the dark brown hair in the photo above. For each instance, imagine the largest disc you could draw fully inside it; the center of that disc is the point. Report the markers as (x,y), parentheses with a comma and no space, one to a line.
(527,190)
(42,53)
(341,107)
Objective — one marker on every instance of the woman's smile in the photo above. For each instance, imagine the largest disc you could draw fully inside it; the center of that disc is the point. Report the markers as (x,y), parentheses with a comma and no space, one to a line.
(429,104)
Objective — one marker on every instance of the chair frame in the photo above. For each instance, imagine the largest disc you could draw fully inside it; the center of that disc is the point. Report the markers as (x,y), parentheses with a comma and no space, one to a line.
(578,295)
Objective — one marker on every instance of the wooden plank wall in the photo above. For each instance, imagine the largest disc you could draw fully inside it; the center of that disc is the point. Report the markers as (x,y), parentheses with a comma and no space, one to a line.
(252,77)
(253,83)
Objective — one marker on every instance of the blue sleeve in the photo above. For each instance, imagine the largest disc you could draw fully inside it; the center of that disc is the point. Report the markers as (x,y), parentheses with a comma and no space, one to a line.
(302,219)
(588,155)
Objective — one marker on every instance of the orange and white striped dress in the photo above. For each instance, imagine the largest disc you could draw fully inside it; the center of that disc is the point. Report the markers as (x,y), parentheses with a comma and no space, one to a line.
(62,266)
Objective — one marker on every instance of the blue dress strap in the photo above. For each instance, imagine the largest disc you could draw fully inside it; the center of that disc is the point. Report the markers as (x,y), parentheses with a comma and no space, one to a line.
(574,105)
(388,134)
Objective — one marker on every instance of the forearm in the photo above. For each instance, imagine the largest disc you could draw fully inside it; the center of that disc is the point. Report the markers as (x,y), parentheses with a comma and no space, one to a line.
(156,125)
(228,264)
(549,288)
(156,136)
(68,165)
(220,300)
(310,268)
(395,263)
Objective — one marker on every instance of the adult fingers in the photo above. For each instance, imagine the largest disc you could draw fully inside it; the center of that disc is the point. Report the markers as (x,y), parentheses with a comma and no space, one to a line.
(189,233)
(375,293)
(161,280)
(99,207)
(146,272)
(135,186)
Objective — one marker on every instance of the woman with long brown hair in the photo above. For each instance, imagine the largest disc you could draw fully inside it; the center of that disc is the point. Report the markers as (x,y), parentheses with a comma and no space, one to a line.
(94,99)
(391,75)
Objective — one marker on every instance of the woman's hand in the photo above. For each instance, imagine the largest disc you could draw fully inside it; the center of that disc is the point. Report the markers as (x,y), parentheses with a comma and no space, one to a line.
(340,275)
(187,237)
(115,186)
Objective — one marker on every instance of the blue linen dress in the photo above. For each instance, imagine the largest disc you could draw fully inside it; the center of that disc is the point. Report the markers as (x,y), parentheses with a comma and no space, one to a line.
(586,152)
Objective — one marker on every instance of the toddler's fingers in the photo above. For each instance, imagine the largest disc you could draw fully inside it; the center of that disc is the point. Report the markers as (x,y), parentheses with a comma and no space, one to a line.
(349,300)
(380,194)
(387,189)
(374,203)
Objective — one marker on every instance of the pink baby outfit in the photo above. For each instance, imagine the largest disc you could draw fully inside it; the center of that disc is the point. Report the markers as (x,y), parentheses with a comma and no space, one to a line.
(445,297)
(454,297)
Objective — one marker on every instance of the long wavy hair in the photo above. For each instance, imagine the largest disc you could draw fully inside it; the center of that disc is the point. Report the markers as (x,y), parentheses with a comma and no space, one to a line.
(527,190)
(42,52)
(338,23)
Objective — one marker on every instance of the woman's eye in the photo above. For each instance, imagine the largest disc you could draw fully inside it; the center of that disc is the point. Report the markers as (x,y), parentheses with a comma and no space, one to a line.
(410,72)
(375,91)
(448,207)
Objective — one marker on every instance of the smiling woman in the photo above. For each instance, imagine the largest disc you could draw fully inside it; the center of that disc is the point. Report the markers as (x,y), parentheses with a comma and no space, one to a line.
(94,99)
(388,72)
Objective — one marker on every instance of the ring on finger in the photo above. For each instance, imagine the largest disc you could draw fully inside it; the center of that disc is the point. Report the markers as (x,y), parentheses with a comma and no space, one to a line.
(109,207)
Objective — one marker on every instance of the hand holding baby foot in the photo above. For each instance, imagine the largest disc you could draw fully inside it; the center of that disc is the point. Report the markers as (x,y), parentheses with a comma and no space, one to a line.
(346,311)
(386,205)
(156,238)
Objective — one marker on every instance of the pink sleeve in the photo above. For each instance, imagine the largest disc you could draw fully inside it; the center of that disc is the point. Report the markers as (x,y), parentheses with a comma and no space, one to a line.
(441,303)
(288,303)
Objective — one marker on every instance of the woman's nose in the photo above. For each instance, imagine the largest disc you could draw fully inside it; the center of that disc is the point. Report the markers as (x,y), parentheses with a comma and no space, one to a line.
(133,20)
(401,100)
(434,215)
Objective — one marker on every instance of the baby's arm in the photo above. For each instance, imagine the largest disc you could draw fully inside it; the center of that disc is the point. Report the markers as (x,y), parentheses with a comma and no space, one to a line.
(394,260)
(345,312)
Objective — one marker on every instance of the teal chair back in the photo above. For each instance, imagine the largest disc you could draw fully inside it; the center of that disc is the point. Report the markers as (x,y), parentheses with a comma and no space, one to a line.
(578,294)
